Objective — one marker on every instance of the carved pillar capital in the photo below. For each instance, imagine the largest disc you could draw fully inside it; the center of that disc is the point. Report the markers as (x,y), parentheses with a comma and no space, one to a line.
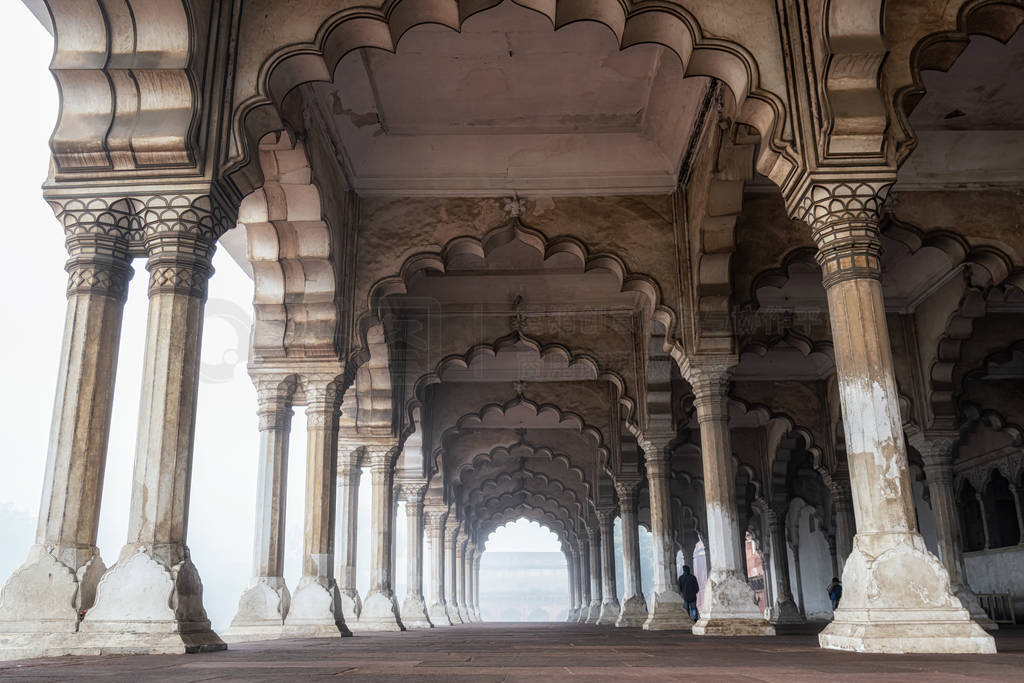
(97,233)
(606,517)
(656,453)
(381,456)
(411,492)
(274,400)
(626,490)
(843,217)
(710,383)
(322,400)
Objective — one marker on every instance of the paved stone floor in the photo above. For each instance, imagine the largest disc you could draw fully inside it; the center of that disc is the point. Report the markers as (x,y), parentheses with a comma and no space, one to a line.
(534,652)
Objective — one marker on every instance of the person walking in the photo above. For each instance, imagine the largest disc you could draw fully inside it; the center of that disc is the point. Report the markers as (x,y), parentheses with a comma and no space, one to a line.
(689,588)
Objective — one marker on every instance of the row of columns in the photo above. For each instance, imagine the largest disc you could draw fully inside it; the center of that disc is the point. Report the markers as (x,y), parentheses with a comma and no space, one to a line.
(151,598)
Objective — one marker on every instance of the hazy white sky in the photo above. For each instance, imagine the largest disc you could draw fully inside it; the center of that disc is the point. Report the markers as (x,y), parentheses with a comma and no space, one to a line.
(224,471)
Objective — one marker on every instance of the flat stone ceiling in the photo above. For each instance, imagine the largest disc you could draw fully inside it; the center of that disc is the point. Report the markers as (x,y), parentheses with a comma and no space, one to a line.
(509,104)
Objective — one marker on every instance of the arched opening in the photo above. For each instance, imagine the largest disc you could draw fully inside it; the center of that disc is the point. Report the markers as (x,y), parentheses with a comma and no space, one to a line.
(523,574)
(972,523)
(1000,510)
(755,571)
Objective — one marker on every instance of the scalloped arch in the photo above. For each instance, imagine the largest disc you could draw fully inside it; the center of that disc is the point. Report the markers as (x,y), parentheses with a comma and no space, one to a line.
(289,246)
(997,19)
(671,26)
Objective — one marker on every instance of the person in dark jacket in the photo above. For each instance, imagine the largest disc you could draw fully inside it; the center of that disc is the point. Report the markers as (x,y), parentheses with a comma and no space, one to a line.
(689,588)
(835,592)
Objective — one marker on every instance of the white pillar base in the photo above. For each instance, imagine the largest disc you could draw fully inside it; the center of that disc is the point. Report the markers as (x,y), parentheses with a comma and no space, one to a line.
(438,614)
(380,613)
(970,602)
(414,613)
(261,611)
(477,619)
(582,614)
(609,613)
(133,613)
(897,599)
(667,613)
(632,612)
(786,613)
(464,614)
(573,616)
(314,611)
(594,612)
(351,604)
(730,609)
(453,614)
(44,595)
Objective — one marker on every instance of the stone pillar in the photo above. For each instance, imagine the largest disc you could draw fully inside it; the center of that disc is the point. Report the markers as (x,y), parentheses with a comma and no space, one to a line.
(42,600)
(937,453)
(609,598)
(477,560)
(264,604)
(347,533)
(584,578)
(315,609)
(784,611)
(460,574)
(451,576)
(877,613)
(984,518)
(666,612)
(594,613)
(729,606)
(133,609)
(570,565)
(414,608)
(846,528)
(470,582)
(380,611)
(438,611)
(633,611)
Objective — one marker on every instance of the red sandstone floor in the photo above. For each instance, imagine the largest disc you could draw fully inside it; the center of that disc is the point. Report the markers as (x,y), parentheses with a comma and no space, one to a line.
(535,652)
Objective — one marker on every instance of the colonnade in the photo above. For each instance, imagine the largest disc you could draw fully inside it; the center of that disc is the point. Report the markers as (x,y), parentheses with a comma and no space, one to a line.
(150,599)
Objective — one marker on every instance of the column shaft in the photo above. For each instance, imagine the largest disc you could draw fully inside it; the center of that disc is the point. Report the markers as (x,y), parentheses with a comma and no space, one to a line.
(729,604)
(666,612)
(888,552)
(414,608)
(609,598)
(64,563)
(438,611)
(784,611)
(633,611)
(264,604)
(155,559)
(315,610)
(451,576)
(595,575)
(347,534)
(380,611)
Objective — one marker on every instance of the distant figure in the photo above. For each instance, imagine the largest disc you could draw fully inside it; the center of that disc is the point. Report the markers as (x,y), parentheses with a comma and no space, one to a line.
(835,592)
(689,588)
